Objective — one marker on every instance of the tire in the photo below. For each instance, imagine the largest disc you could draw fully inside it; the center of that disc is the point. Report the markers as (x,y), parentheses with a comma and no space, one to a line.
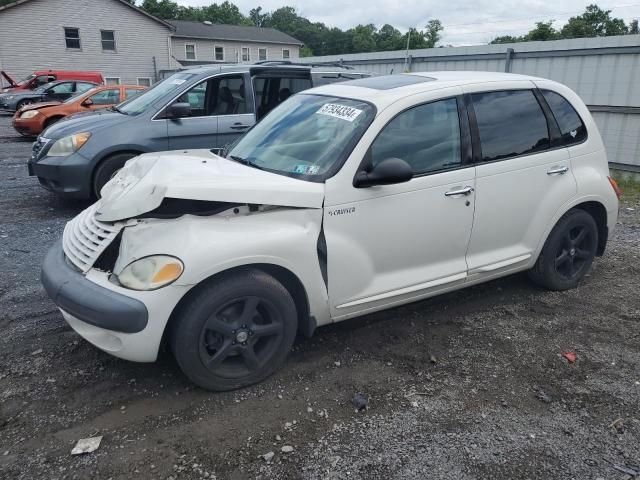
(50,122)
(107,169)
(23,103)
(235,331)
(568,253)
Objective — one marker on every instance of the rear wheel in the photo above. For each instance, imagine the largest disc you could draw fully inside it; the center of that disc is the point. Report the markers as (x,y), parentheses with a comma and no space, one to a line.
(568,253)
(107,169)
(234,332)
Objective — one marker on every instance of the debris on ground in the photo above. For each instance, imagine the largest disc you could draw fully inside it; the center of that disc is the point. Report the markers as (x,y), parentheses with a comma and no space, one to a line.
(360,402)
(267,457)
(287,449)
(570,356)
(86,445)
(618,425)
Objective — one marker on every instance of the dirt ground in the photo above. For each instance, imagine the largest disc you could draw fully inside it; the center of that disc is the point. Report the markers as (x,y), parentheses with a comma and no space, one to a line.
(467,385)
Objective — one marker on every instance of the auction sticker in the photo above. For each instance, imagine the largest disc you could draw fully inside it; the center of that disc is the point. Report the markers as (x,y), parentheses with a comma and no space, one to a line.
(340,111)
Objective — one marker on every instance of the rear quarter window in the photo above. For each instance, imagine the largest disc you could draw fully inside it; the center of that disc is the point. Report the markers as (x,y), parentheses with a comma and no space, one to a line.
(571,126)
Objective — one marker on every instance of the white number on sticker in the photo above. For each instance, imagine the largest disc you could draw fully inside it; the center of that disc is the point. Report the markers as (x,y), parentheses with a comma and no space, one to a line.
(340,111)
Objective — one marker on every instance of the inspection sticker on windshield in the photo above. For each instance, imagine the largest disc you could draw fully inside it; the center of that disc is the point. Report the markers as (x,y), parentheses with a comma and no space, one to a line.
(178,81)
(340,111)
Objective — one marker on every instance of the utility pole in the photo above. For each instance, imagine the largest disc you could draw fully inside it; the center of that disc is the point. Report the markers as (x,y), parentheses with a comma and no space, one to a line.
(406,55)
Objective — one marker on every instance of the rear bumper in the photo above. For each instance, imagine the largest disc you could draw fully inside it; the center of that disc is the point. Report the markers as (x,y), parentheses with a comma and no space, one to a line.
(88,302)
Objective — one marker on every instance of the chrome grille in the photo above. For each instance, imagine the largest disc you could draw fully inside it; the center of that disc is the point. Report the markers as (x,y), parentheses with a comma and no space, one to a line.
(85,238)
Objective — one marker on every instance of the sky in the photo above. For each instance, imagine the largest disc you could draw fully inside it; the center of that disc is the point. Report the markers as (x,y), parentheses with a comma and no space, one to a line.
(466,22)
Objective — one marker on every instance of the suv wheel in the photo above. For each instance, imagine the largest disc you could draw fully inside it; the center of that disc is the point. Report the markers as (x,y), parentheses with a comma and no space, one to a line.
(235,331)
(107,169)
(568,253)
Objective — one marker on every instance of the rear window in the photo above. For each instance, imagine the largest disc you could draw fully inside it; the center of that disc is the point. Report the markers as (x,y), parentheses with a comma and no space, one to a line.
(510,123)
(571,126)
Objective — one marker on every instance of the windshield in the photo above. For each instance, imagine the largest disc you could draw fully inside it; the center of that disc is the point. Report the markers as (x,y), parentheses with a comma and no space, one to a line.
(307,137)
(26,79)
(139,103)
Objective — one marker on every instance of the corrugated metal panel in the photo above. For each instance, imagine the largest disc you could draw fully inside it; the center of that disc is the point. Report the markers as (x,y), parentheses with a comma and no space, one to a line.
(604,71)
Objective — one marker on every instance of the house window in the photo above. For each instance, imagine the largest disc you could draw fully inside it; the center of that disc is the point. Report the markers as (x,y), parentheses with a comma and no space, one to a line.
(286,54)
(144,81)
(190,51)
(72,37)
(246,56)
(218,53)
(112,80)
(262,54)
(108,40)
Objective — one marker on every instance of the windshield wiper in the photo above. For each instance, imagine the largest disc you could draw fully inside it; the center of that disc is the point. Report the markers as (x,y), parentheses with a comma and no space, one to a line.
(244,161)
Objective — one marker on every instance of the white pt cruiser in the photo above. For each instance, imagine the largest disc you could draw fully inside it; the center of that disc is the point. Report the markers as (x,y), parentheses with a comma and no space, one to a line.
(346,199)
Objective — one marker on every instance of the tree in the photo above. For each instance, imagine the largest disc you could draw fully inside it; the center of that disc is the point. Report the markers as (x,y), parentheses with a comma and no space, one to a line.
(543,31)
(594,22)
(258,18)
(432,34)
(633,27)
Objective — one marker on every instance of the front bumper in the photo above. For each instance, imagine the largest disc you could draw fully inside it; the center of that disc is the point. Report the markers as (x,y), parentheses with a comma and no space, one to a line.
(125,323)
(66,176)
(31,126)
(88,302)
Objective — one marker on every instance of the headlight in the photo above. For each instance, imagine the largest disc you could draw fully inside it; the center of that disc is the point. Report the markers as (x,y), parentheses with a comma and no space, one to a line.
(10,97)
(67,145)
(29,114)
(151,273)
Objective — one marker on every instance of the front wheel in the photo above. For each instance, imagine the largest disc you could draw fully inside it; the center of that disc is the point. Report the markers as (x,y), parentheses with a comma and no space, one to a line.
(23,103)
(568,253)
(235,331)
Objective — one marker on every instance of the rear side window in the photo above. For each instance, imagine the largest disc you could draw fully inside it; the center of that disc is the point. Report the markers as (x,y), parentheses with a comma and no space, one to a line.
(510,123)
(570,123)
(272,91)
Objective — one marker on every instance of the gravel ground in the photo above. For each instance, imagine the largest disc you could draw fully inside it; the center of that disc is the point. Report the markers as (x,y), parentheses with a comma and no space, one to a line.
(467,385)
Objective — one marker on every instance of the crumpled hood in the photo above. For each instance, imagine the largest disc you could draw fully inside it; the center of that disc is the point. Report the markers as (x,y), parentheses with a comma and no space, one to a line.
(199,175)
(38,106)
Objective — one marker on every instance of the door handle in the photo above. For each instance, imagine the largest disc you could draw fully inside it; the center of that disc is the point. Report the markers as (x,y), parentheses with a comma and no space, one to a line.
(238,126)
(557,170)
(459,191)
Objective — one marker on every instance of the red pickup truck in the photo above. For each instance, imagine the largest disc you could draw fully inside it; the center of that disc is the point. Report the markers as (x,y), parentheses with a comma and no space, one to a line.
(45,76)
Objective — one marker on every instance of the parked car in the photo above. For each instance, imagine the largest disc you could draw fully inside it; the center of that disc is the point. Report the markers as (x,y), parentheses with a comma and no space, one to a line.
(32,119)
(345,200)
(39,78)
(208,107)
(51,92)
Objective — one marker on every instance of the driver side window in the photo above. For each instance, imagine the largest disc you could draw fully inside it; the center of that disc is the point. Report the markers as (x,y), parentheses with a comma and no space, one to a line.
(217,96)
(427,137)
(62,88)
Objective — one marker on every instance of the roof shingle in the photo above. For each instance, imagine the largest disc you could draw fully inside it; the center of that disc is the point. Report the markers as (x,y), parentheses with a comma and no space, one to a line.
(217,31)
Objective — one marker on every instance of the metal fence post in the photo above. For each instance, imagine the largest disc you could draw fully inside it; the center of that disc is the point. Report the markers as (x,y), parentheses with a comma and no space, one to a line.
(507,60)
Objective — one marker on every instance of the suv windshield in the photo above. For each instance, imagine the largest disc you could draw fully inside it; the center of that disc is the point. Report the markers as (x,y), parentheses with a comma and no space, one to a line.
(139,103)
(307,137)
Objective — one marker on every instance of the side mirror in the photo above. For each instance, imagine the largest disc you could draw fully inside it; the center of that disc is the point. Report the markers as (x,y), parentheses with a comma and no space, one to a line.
(387,172)
(87,103)
(179,110)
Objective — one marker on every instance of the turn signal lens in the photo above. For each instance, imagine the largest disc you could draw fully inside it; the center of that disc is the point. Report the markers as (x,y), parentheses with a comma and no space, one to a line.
(151,273)
(615,187)
(79,139)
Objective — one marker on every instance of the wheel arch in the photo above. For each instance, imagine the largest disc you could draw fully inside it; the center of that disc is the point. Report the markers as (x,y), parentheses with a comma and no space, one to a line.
(599,213)
(106,156)
(290,281)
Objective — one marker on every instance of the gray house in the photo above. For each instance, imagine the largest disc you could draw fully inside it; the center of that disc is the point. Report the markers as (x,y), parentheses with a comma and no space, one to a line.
(199,43)
(124,43)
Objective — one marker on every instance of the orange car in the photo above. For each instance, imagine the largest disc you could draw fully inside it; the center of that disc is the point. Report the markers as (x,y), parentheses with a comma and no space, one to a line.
(32,119)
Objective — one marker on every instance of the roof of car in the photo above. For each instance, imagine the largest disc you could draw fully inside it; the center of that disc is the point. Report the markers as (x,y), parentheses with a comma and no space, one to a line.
(386,89)
(234,67)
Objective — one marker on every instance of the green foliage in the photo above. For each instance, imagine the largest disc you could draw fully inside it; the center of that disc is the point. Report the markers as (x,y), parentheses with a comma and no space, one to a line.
(594,22)
(318,38)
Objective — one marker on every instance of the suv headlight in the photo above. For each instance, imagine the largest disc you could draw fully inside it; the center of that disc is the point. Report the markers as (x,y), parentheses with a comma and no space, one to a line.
(30,114)
(151,273)
(68,145)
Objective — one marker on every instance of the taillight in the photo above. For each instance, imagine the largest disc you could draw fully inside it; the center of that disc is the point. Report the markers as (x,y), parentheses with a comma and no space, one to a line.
(615,187)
